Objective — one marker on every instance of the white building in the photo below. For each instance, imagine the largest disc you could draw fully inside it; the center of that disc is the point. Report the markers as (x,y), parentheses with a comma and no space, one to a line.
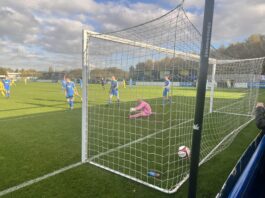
(14,75)
(2,76)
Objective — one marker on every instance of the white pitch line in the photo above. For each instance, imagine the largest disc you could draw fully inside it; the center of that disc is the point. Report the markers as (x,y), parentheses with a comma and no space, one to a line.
(30,116)
(153,134)
(38,179)
(141,139)
(138,140)
(238,114)
(225,138)
(20,118)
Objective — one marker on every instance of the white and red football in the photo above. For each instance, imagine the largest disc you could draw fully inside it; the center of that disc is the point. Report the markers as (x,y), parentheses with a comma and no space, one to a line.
(184,152)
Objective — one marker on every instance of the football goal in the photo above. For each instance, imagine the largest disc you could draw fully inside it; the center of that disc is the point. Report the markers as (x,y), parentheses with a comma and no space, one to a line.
(132,65)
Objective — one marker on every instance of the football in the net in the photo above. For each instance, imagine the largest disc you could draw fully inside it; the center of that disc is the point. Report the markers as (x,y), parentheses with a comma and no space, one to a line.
(184,152)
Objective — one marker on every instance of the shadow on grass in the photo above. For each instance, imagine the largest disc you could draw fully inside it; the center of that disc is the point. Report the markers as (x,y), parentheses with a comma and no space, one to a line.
(42,142)
(43,114)
(50,100)
(37,144)
(39,105)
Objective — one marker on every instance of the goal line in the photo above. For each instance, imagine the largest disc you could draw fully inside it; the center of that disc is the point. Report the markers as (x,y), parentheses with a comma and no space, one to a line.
(38,179)
(161,131)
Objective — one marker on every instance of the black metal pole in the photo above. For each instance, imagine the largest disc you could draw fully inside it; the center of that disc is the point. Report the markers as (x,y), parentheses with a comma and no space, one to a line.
(199,110)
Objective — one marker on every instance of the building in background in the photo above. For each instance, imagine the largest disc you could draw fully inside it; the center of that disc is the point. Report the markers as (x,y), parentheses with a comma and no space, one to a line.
(14,75)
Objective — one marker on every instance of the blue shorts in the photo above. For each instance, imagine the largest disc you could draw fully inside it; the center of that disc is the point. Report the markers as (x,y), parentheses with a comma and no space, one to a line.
(114,92)
(7,88)
(165,92)
(69,97)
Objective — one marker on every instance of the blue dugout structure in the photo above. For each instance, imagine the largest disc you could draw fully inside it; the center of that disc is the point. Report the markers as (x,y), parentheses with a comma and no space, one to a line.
(248,177)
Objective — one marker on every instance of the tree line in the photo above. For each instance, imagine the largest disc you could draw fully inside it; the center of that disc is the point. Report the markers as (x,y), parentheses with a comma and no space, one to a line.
(186,70)
(49,75)
(177,68)
(252,47)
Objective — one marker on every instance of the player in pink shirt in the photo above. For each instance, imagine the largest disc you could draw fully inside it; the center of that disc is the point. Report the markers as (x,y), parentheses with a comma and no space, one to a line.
(143,109)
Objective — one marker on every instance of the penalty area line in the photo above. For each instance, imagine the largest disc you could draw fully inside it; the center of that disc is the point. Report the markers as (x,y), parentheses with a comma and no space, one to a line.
(38,179)
(30,116)
(19,118)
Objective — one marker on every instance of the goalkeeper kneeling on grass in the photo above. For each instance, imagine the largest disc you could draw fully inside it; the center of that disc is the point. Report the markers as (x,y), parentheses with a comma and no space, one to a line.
(143,109)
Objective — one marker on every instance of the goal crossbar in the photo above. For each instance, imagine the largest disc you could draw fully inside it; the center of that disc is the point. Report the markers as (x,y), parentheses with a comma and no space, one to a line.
(176,53)
(187,56)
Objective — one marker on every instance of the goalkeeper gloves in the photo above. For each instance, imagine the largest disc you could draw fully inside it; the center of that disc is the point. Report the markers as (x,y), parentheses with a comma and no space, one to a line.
(132,109)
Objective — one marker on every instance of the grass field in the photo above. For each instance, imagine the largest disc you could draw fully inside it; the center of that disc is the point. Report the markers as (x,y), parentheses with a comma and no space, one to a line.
(39,135)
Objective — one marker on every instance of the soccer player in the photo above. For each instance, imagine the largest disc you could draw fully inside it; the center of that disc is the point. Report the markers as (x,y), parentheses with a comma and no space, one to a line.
(166,90)
(70,91)
(103,83)
(13,82)
(81,83)
(6,83)
(63,83)
(124,83)
(130,82)
(114,89)
(2,89)
(144,110)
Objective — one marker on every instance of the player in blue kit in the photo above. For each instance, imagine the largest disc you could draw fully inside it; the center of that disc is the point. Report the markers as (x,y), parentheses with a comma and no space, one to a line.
(166,90)
(130,83)
(102,83)
(81,83)
(7,82)
(63,83)
(70,91)
(114,89)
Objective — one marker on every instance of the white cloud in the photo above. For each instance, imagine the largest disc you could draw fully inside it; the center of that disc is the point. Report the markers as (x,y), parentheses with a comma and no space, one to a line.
(16,25)
(53,28)
(62,35)
(187,3)
(113,18)
(233,20)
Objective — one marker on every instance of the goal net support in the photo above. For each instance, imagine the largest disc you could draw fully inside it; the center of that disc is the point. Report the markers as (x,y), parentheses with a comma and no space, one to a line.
(145,149)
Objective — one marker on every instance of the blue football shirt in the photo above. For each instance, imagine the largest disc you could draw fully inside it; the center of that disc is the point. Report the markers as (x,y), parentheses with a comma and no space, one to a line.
(114,85)
(7,83)
(167,84)
(70,88)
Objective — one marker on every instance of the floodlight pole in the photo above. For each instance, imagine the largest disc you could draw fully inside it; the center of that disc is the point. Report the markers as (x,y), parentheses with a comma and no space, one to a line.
(84,134)
(200,98)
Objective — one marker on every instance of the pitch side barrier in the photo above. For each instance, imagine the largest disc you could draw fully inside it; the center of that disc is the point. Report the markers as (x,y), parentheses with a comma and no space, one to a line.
(209,84)
(245,179)
(260,85)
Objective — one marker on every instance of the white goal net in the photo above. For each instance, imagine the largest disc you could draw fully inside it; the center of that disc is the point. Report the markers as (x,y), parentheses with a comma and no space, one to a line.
(130,66)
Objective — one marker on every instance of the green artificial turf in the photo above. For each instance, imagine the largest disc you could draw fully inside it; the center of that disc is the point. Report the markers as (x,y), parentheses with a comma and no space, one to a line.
(39,135)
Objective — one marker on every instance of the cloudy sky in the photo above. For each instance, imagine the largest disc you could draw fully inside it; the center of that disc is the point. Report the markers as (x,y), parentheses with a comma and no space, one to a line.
(43,33)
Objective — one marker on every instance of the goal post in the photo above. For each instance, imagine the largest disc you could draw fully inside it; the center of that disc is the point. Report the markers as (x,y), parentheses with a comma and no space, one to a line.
(85,69)
(200,96)
(145,149)
(212,87)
